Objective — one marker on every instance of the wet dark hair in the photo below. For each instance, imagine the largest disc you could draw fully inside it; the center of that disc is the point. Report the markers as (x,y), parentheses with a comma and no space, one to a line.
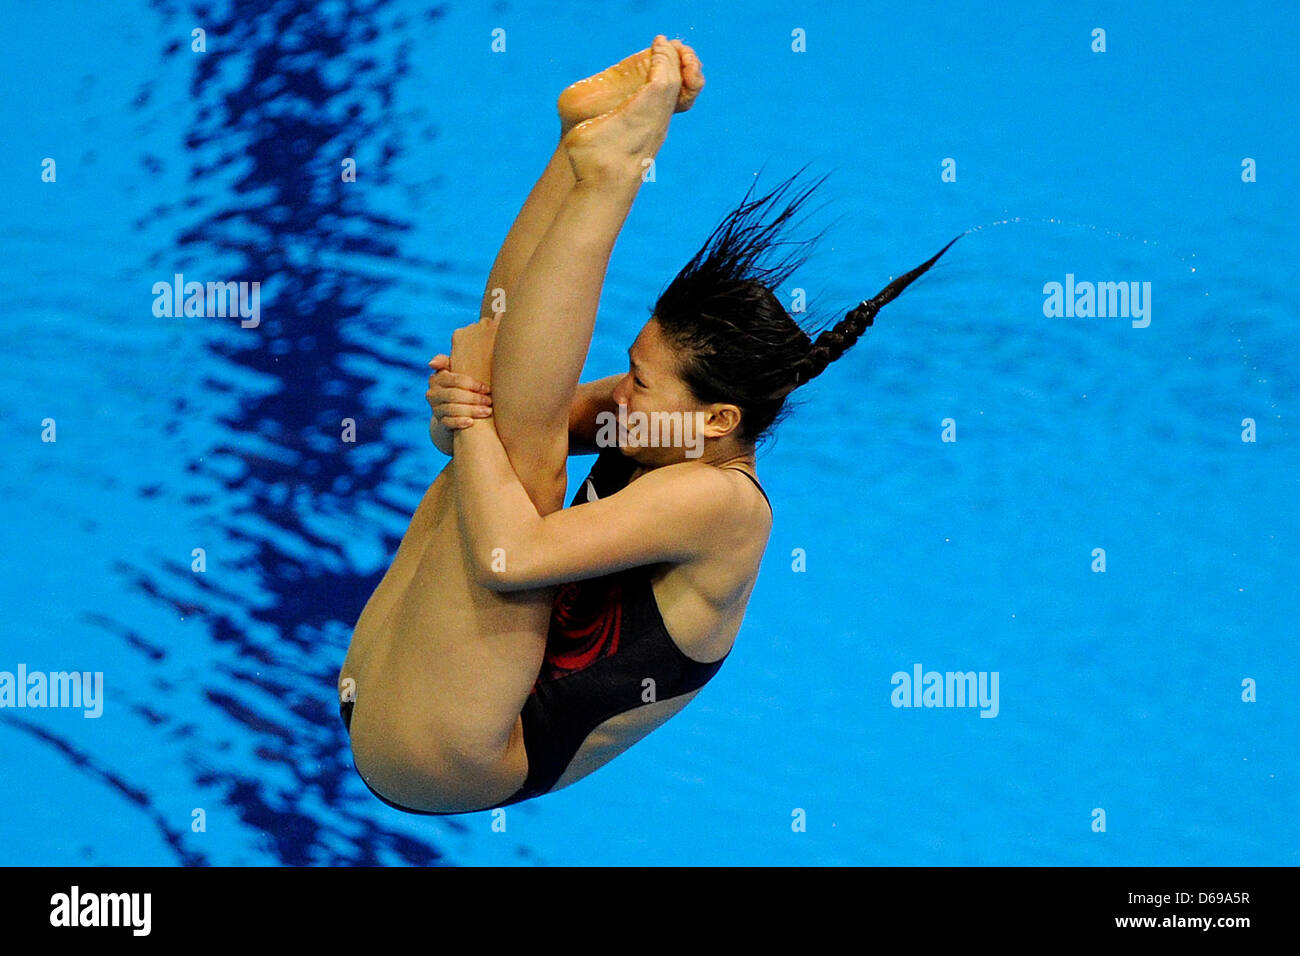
(735,341)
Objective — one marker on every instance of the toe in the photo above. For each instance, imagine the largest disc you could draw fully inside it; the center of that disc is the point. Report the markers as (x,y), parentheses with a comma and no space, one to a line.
(666,55)
(692,78)
(690,64)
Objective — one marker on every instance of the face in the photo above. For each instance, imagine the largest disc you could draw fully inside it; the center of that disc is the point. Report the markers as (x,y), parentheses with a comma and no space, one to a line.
(652,385)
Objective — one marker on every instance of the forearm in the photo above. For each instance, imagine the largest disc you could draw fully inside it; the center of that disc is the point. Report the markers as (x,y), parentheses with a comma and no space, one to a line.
(599,392)
(494,509)
(529,226)
(590,400)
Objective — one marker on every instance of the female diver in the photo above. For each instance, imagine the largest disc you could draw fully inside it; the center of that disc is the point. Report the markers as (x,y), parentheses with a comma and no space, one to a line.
(471,681)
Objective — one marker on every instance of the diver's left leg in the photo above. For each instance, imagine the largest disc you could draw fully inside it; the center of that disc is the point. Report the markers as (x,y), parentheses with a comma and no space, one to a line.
(580,101)
(542,342)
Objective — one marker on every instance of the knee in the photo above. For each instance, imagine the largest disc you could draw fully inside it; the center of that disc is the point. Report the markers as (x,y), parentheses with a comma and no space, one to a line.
(549,495)
(431,775)
(471,753)
(542,470)
(546,488)
(449,749)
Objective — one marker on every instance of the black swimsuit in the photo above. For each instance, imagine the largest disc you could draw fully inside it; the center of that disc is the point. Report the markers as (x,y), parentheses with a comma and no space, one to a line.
(607,652)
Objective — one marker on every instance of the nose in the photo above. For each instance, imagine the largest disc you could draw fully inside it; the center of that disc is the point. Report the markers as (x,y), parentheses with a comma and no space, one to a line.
(620,390)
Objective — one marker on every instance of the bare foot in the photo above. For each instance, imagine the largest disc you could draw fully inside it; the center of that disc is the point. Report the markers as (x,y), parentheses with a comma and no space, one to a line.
(613,145)
(604,91)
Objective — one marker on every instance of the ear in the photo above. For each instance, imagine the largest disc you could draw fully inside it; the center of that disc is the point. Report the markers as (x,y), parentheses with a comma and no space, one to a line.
(723,419)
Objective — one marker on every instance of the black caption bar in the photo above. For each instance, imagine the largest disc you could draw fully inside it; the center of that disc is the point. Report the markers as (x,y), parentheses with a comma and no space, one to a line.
(346,906)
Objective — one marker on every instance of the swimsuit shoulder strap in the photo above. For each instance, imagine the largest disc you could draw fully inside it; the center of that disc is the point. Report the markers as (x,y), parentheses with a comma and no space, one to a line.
(756,484)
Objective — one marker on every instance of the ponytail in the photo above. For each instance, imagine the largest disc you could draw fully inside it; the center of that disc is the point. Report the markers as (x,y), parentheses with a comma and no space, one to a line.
(734,341)
(834,342)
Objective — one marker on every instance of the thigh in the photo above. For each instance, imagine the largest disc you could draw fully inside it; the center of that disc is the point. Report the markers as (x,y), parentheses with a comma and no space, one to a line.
(395,579)
(441,686)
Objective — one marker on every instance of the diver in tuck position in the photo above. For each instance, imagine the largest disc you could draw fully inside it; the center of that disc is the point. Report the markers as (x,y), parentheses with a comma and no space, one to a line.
(515,645)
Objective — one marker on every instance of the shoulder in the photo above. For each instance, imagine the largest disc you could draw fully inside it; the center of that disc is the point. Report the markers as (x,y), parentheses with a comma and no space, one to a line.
(718,500)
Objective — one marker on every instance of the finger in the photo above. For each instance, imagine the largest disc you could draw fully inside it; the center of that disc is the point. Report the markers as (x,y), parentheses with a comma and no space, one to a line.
(456,380)
(459,421)
(450,393)
(454,396)
(440,362)
(454,410)
(437,393)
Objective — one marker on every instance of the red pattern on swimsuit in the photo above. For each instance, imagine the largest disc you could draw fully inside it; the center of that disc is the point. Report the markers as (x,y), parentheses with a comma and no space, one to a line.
(586,620)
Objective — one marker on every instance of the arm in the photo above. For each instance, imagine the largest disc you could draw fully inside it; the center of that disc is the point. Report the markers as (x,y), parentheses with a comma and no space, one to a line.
(458,400)
(675,513)
(455,400)
(589,400)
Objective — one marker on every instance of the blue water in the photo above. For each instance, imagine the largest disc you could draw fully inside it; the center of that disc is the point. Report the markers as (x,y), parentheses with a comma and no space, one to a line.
(1119,690)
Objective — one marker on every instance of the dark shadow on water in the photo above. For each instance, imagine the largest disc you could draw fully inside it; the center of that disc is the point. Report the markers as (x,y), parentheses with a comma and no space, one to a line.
(304,88)
(285,92)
